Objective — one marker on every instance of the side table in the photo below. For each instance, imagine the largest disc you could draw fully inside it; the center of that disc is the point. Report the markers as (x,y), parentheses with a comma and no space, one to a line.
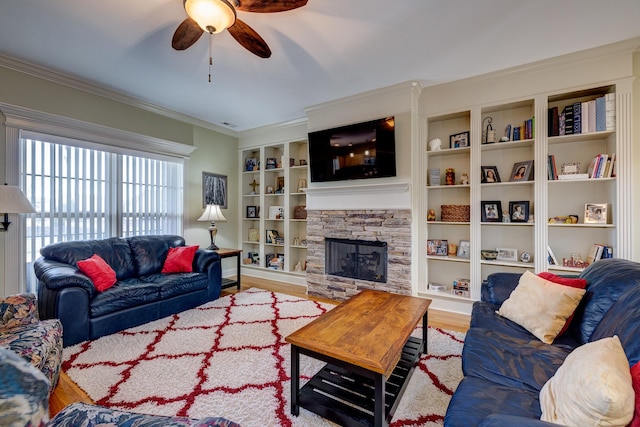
(228,253)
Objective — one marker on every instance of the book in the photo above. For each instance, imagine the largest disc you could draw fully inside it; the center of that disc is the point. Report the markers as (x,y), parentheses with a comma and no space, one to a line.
(602,160)
(568,119)
(601,123)
(610,111)
(569,176)
(584,109)
(554,121)
(591,123)
(595,253)
(577,117)
(612,168)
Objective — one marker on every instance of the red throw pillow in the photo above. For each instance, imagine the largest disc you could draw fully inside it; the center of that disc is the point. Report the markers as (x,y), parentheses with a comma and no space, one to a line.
(100,273)
(635,381)
(180,259)
(566,281)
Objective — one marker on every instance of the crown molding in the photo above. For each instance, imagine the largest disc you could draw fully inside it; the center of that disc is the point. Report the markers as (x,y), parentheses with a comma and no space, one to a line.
(95,89)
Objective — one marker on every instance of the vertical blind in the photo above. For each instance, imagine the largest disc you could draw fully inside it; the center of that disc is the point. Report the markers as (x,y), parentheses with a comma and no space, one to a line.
(84,193)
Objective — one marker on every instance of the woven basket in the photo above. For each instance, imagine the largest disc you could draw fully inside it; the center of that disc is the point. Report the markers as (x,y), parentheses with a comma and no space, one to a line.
(455,213)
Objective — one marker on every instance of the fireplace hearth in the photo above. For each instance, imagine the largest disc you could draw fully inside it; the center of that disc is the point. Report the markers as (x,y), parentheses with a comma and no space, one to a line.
(357,259)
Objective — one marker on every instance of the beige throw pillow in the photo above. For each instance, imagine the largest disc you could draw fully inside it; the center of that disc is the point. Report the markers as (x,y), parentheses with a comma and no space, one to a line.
(540,306)
(592,387)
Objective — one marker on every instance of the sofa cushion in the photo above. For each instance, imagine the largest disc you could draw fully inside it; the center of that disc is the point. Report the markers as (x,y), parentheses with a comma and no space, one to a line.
(540,306)
(100,273)
(124,294)
(179,259)
(498,286)
(115,251)
(623,320)
(475,399)
(635,382)
(170,285)
(149,252)
(591,388)
(515,359)
(607,280)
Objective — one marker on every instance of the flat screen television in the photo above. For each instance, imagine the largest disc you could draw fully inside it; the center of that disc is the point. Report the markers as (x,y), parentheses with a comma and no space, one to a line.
(358,151)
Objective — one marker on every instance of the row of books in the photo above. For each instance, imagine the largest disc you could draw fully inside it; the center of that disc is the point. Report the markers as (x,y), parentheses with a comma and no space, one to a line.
(525,131)
(601,166)
(595,115)
(461,287)
(598,251)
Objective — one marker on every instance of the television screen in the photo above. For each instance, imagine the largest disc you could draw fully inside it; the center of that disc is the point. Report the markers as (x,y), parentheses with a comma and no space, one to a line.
(358,151)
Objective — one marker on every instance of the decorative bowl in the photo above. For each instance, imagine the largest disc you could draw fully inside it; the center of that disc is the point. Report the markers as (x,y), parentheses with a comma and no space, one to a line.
(489,255)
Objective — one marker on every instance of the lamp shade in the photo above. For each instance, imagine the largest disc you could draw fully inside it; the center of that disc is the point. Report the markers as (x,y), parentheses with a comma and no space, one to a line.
(212,213)
(13,200)
(213,16)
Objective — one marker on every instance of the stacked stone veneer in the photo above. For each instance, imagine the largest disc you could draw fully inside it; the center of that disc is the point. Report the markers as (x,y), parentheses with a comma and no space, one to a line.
(391,226)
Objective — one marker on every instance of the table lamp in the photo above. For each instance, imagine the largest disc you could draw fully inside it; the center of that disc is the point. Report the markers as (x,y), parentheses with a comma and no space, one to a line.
(13,201)
(212,213)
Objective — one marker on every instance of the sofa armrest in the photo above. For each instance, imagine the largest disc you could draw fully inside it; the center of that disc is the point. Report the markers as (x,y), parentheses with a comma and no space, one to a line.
(498,286)
(56,275)
(500,420)
(18,310)
(203,260)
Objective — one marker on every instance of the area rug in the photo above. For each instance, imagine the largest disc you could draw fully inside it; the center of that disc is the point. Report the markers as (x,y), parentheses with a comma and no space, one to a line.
(229,358)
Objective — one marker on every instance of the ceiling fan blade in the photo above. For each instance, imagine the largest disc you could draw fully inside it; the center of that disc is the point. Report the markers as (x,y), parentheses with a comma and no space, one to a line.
(269,6)
(250,39)
(187,33)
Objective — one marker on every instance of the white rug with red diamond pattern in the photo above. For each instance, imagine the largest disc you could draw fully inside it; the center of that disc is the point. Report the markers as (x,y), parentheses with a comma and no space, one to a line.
(228,358)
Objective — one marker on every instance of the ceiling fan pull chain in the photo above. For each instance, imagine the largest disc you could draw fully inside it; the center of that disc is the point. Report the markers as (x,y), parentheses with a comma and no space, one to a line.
(210,56)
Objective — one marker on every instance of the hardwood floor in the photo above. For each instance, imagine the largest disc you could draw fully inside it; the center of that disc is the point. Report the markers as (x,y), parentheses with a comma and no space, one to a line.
(68,392)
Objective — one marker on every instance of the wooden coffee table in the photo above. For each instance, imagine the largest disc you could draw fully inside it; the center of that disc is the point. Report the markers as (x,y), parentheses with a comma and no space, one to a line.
(370,357)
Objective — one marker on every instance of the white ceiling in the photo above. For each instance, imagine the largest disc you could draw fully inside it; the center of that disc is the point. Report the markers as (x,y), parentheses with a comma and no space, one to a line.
(323,51)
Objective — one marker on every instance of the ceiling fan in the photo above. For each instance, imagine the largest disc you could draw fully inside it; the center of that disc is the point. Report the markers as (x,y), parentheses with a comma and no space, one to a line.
(214,16)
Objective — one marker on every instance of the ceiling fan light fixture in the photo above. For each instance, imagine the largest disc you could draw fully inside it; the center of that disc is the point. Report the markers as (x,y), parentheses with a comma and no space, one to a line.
(213,16)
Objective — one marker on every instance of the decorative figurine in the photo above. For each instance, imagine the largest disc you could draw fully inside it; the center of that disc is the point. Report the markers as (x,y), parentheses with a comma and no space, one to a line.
(464,180)
(435,144)
(450,176)
(452,249)
(525,257)
(431,215)
(506,217)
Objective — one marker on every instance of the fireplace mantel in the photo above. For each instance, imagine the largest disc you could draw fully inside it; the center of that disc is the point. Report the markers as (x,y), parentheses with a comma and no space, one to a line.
(368,196)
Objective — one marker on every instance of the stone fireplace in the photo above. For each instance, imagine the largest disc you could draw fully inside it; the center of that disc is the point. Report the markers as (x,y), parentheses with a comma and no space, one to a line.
(383,227)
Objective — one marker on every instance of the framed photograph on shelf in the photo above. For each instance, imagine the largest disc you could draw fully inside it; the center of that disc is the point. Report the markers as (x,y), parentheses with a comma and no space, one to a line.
(464,247)
(254,234)
(519,211)
(491,211)
(271,236)
(522,171)
(570,168)
(250,164)
(437,247)
(507,254)
(276,212)
(490,174)
(459,140)
(271,163)
(252,212)
(280,185)
(595,213)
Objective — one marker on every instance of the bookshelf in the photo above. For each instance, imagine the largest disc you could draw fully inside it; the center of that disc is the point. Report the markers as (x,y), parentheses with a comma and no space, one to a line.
(274,239)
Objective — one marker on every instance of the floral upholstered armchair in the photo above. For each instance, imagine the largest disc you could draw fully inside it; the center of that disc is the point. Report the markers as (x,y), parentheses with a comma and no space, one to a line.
(37,341)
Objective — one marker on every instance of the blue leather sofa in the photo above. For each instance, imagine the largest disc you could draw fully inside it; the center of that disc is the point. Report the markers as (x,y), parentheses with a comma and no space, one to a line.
(505,366)
(141,294)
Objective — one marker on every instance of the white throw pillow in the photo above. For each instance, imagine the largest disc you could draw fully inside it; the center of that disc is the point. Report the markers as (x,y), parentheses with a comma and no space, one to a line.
(540,306)
(591,388)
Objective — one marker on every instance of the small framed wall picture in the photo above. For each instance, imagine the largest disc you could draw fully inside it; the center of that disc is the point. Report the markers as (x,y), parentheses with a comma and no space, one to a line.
(522,171)
(252,212)
(595,213)
(464,248)
(459,140)
(519,211)
(490,174)
(491,211)
(507,254)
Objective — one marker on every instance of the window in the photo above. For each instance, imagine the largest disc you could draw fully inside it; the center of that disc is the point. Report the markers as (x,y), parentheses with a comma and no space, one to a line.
(84,191)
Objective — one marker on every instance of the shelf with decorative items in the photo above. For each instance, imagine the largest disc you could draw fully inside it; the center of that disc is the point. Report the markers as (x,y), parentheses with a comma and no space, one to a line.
(582,183)
(278,201)
(447,193)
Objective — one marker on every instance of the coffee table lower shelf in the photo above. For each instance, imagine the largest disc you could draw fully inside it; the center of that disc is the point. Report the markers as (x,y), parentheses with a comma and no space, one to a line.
(347,398)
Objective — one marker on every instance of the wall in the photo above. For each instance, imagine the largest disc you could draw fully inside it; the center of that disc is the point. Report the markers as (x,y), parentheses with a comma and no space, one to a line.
(216,152)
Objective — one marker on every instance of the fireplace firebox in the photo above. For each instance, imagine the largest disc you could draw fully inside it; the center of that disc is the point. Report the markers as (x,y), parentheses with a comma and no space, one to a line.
(356,259)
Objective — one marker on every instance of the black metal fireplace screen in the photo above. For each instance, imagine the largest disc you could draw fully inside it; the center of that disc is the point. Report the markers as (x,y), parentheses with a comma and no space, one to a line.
(357,259)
